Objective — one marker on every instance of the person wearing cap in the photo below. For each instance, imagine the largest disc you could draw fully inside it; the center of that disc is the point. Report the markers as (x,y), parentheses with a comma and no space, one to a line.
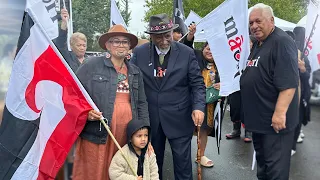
(175,93)
(116,87)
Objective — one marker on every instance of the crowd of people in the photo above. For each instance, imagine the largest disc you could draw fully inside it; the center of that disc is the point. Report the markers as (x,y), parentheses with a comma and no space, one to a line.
(153,91)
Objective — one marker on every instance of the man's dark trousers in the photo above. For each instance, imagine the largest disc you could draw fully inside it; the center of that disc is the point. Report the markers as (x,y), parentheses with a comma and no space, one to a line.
(273,154)
(181,153)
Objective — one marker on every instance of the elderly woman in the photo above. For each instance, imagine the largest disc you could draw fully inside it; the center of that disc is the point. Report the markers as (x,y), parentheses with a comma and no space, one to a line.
(78,44)
(117,89)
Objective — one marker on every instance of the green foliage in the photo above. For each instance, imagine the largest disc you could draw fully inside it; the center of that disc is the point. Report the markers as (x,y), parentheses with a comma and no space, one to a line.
(125,13)
(290,10)
(91,18)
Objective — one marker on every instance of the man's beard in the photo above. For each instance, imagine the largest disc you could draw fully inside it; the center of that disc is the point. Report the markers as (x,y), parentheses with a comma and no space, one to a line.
(165,50)
(121,54)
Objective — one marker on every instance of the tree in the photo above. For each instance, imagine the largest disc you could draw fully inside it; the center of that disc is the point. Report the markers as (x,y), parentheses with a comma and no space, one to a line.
(125,13)
(291,10)
(91,18)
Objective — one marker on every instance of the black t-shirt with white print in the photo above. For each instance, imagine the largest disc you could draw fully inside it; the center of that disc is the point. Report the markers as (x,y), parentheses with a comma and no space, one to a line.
(272,67)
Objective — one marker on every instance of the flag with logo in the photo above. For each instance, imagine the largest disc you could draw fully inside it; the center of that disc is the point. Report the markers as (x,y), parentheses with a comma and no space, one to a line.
(226,30)
(46,107)
(115,15)
(179,16)
(313,30)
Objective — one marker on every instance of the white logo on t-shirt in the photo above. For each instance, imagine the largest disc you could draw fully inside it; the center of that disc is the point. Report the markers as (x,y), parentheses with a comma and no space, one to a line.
(253,62)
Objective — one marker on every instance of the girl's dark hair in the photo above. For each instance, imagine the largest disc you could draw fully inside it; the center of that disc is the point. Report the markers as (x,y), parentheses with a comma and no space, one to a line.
(205,45)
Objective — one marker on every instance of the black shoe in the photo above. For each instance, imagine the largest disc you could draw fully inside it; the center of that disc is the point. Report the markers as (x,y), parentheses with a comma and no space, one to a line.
(236,132)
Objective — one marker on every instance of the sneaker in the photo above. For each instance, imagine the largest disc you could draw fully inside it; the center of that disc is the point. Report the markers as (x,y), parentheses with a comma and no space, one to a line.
(301,134)
(293,152)
(299,140)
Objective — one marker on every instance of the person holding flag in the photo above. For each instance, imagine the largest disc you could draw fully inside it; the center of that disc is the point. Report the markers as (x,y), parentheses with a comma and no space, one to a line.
(78,43)
(117,89)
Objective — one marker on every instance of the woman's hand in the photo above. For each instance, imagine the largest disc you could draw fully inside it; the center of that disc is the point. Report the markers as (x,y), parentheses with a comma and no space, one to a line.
(216,86)
(150,149)
(139,178)
(94,115)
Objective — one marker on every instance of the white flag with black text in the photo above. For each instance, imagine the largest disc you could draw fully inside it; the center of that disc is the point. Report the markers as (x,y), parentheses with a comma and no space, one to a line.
(226,30)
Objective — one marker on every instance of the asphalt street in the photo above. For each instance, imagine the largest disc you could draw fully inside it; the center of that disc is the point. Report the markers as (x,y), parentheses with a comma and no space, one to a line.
(235,159)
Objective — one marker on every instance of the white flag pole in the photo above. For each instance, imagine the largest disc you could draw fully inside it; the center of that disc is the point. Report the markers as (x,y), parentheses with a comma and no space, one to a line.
(253,160)
(189,31)
(68,24)
(64,3)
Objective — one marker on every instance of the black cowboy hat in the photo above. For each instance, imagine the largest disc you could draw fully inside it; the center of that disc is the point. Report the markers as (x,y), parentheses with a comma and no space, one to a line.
(160,23)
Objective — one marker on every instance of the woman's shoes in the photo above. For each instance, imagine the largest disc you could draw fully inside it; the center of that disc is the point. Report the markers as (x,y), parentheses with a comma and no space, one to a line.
(205,162)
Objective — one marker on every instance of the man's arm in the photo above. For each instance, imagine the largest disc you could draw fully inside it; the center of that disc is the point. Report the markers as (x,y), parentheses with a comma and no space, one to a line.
(286,80)
(284,99)
(198,90)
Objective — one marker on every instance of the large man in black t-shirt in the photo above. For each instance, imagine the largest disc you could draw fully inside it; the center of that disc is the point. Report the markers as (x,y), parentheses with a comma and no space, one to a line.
(270,99)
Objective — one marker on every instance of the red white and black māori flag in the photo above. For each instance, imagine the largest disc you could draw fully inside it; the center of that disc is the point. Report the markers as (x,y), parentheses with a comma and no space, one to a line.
(46,107)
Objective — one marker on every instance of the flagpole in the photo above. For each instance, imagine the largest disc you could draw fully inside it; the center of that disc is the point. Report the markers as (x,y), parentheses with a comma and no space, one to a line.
(188,32)
(199,153)
(117,144)
(64,3)
(68,25)
(85,93)
(309,38)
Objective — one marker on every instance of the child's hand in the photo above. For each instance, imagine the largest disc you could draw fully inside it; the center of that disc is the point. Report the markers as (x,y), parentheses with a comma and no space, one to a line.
(139,178)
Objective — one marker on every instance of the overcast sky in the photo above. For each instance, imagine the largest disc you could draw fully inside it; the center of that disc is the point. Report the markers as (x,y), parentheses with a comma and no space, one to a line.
(137,13)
